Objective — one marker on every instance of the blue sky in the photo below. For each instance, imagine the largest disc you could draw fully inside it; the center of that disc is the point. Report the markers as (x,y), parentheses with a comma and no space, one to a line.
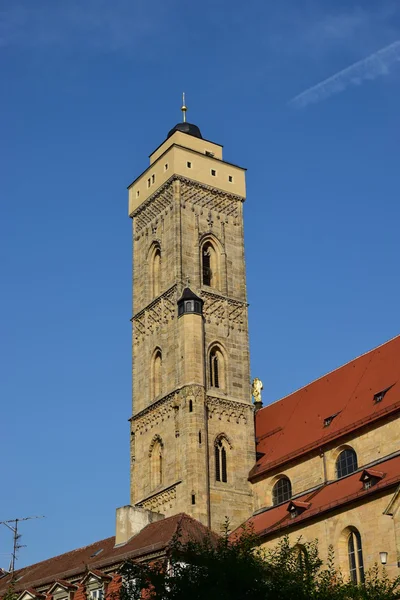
(304,94)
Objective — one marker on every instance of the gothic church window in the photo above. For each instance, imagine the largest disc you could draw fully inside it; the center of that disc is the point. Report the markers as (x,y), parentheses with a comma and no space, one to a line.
(221,473)
(155,270)
(356,562)
(217,368)
(346,463)
(157,373)
(209,265)
(156,463)
(282,491)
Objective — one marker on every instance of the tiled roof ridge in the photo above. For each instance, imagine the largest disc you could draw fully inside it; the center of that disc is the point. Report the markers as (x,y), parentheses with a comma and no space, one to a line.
(324,440)
(58,556)
(303,387)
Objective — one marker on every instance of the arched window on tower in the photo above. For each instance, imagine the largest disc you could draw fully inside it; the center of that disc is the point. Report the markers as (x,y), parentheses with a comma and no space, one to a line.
(221,448)
(217,368)
(209,263)
(155,269)
(282,491)
(157,373)
(156,462)
(356,561)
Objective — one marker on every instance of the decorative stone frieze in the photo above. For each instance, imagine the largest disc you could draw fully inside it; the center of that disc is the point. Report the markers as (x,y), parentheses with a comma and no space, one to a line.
(224,311)
(150,211)
(158,313)
(154,414)
(161,500)
(228,410)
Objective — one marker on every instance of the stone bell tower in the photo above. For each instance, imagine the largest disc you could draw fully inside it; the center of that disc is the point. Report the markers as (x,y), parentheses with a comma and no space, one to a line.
(192,424)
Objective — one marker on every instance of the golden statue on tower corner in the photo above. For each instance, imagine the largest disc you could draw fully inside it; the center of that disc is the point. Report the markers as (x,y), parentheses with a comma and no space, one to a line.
(256,388)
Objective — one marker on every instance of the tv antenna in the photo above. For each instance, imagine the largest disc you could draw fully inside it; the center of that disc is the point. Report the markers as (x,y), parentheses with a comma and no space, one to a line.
(12,524)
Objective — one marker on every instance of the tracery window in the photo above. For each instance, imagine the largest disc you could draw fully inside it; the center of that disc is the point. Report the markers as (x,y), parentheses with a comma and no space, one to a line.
(346,463)
(356,561)
(155,269)
(156,463)
(221,447)
(157,373)
(217,368)
(282,491)
(210,269)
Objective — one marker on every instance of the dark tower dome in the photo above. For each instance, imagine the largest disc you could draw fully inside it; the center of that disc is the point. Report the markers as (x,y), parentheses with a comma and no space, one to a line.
(188,128)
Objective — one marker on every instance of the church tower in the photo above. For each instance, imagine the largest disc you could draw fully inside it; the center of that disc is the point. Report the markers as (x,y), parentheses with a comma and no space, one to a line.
(192,424)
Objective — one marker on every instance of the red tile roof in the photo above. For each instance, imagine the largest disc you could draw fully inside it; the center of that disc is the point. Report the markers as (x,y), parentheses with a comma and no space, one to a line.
(153,538)
(297,423)
(328,497)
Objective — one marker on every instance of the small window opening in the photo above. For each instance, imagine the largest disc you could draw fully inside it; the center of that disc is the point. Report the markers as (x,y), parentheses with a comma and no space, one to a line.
(193,499)
(166,167)
(230,178)
(367,484)
(153,178)
(199,437)
(213,172)
(137,194)
(329,420)
(189,165)
(208,153)
(379,396)
(148,183)
(190,405)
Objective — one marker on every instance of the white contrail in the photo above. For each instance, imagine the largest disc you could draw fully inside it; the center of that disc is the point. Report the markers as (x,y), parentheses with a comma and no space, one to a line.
(371,67)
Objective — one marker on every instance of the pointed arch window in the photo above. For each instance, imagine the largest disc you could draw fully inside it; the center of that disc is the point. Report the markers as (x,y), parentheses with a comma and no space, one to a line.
(217,368)
(282,491)
(157,373)
(221,470)
(156,463)
(209,263)
(356,561)
(346,463)
(155,269)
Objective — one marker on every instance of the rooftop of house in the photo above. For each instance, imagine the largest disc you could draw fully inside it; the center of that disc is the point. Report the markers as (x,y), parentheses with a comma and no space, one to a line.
(329,496)
(354,395)
(103,554)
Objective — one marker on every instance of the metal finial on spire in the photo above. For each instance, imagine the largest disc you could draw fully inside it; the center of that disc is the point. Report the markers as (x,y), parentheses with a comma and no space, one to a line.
(184,107)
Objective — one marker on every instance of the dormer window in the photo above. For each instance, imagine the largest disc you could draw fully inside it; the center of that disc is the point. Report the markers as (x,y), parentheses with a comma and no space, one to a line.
(328,420)
(62,590)
(371,477)
(95,583)
(379,396)
(296,508)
